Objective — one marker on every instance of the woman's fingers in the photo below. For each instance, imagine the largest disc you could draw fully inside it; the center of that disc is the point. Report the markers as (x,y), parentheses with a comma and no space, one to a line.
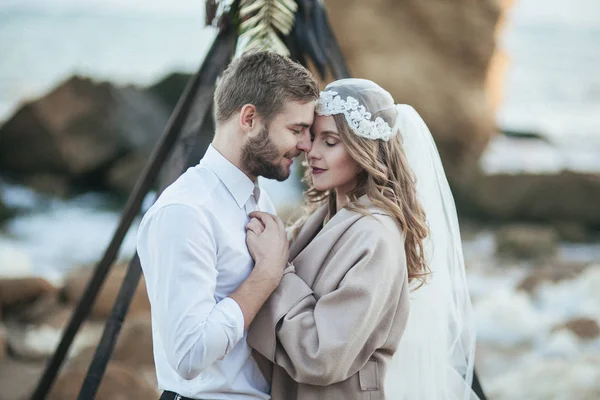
(280,223)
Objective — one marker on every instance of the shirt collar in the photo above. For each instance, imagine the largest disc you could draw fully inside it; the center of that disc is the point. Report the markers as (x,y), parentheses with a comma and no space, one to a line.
(236,182)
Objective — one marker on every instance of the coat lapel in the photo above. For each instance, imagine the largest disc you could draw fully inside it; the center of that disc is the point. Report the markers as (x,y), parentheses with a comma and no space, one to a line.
(308,231)
(313,247)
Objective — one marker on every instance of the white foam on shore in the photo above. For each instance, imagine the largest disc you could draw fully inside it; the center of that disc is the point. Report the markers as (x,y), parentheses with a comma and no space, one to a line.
(517,155)
(43,340)
(510,317)
(542,379)
(520,350)
(578,297)
(507,317)
(13,262)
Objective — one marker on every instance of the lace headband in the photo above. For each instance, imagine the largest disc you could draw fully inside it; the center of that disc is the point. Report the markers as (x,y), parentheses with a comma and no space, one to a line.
(357,116)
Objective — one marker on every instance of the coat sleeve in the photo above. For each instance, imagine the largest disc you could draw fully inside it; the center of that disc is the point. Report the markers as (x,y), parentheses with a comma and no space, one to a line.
(324,341)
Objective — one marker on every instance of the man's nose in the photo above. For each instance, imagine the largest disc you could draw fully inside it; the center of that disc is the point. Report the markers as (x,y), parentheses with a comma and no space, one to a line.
(304,143)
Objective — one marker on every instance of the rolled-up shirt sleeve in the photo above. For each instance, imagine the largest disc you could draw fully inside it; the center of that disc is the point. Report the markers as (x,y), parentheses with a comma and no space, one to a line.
(178,253)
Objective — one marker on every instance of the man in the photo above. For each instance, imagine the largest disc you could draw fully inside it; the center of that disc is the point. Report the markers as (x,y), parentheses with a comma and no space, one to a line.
(202,282)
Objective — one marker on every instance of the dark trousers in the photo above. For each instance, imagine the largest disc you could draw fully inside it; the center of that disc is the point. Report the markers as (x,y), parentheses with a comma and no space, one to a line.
(166,395)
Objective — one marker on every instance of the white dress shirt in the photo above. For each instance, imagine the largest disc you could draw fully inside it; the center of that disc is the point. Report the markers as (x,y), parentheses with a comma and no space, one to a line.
(192,247)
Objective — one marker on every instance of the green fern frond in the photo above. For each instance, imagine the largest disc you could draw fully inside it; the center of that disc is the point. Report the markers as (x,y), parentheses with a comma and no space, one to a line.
(263,20)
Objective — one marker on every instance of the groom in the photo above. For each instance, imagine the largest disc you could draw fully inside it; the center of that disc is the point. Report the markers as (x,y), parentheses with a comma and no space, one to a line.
(203,285)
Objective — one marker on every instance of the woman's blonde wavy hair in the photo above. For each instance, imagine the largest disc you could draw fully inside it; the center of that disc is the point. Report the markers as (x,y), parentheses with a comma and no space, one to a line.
(389,183)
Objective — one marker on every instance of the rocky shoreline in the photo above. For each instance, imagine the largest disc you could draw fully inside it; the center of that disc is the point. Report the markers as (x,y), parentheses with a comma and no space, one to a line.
(34,315)
(514,271)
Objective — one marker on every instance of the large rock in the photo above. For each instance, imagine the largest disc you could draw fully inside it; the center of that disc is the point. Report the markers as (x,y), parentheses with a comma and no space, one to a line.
(125,172)
(77,282)
(37,310)
(565,197)
(436,55)
(527,242)
(5,212)
(584,328)
(77,130)
(555,272)
(575,232)
(134,347)
(19,291)
(170,88)
(18,378)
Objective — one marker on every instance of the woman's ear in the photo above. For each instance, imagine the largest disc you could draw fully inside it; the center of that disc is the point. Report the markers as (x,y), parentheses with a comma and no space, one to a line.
(248,118)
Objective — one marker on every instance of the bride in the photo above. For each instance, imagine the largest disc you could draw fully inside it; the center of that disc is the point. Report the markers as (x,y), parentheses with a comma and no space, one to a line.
(374,302)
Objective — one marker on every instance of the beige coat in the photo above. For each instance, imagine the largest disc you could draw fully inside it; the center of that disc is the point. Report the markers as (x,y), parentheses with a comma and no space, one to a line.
(332,327)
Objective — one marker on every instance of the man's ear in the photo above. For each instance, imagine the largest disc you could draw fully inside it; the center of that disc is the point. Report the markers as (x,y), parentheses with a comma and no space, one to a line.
(248,118)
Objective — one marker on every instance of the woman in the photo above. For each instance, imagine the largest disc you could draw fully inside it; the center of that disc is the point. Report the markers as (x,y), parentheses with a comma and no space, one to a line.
(363,257)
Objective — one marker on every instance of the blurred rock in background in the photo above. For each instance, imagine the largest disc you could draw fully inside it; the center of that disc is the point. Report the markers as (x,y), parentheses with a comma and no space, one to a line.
(526,242)
(566,198)
(436,55)
(86,135)
(35,313)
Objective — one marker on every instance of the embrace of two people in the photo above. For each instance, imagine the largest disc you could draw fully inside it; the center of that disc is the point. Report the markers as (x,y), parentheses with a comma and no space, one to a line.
(364,297)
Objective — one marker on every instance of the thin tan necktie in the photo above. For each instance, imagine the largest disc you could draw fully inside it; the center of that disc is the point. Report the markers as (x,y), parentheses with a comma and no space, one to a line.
(252,203)
(264,365)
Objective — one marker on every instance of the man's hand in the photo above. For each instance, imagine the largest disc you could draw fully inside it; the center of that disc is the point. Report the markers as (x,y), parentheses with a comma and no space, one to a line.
(267,243)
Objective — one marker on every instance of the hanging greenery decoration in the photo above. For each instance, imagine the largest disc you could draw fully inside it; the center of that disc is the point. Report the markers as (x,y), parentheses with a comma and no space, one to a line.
(262,23)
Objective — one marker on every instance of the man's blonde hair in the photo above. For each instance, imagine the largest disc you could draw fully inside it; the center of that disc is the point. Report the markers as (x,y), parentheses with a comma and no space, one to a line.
(265,79)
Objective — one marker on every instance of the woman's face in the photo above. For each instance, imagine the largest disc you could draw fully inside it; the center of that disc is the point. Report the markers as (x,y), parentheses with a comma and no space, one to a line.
(329,160)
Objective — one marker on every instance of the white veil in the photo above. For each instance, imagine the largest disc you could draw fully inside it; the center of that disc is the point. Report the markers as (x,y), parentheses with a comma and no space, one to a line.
(435,356)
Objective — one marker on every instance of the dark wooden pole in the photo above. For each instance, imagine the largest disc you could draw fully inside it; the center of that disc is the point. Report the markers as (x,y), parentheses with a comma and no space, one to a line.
(198,125)
(111,331)
(335,58)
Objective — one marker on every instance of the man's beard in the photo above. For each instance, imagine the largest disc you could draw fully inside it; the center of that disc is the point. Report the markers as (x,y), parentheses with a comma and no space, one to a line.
(259,155)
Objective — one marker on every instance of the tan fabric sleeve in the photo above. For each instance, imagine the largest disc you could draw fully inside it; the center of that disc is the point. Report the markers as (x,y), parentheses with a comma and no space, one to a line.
(262,333)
